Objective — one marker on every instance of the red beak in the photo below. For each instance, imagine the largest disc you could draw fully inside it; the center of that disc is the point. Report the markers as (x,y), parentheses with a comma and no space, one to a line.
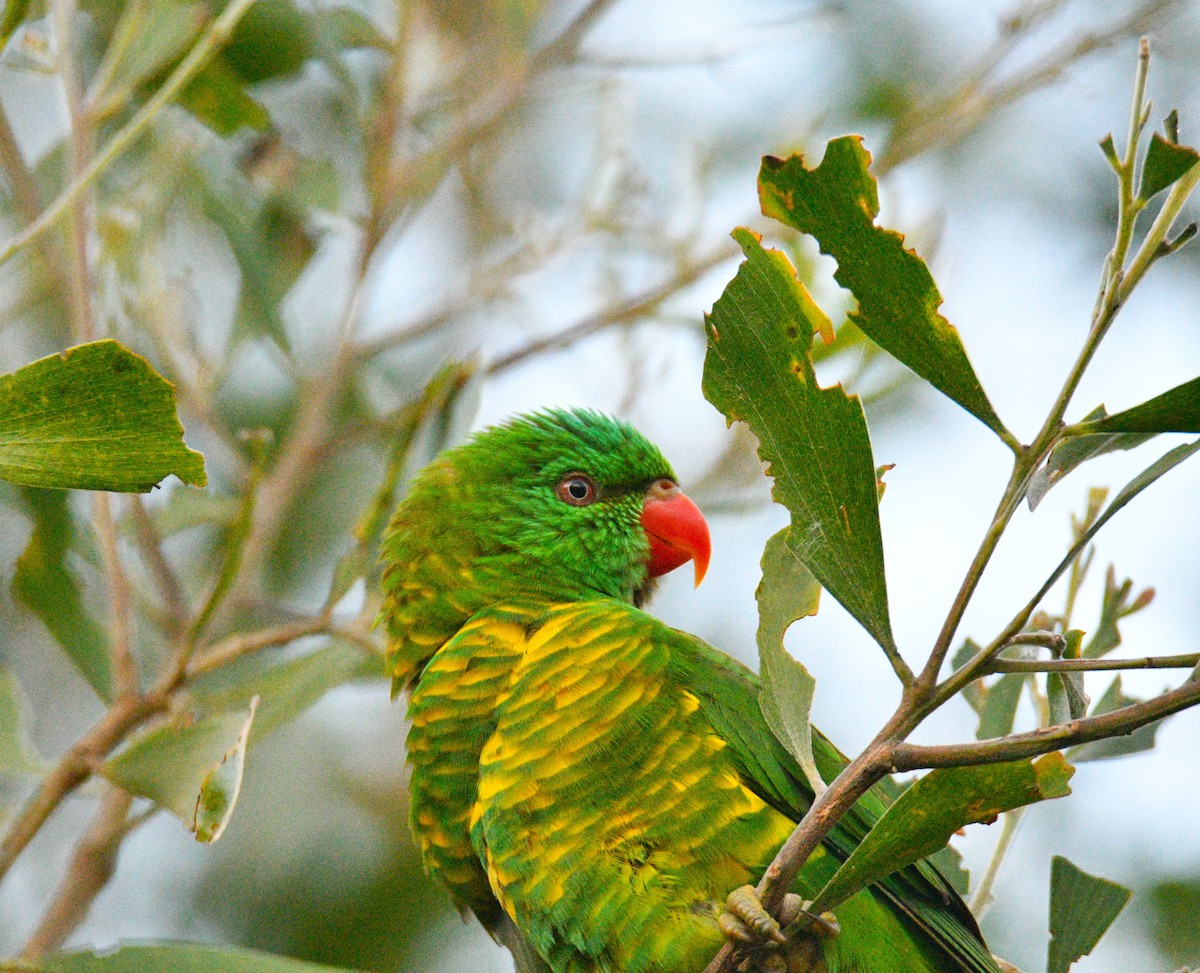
(676,529)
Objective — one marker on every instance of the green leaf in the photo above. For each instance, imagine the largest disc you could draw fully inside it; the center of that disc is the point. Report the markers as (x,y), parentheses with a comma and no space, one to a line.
(837,203)
(1064,690)
(221,786)
(999,709)
(45,584)
(1139,740)
(173,958)
(179,767)
(285,689)
(218,97)
(1118,603)
(273,40)
(927,814)
(17,755)
(1082,907)
(96,417)
(1166,162)
(1176,410)
(814,440)
(788,591)
(1176,903)
(1074,451)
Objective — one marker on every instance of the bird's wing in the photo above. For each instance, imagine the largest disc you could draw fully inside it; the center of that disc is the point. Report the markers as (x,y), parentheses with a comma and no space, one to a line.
(729,696)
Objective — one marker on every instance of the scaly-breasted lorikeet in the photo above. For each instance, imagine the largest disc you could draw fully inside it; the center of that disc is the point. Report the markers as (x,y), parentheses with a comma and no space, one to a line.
(590,782)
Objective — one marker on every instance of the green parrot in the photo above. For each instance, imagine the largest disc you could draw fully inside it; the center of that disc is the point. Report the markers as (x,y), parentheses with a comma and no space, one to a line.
(590,782)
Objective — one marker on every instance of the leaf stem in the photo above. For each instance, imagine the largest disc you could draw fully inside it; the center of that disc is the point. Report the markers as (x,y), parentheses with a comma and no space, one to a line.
(982,897)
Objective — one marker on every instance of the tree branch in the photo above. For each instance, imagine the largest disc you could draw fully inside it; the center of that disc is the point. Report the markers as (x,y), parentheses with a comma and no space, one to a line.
(1019,746)
(1094,665)
(92,865)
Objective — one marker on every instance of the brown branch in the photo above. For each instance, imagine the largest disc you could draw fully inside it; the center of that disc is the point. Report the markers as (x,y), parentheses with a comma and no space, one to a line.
(118,595)
(75,767)
(1019,746)
(92,865)
(237,646)
(1094,665)
(149,543)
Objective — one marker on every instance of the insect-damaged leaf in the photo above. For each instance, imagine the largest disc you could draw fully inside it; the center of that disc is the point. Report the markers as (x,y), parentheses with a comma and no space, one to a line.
(193,770)
(1082,907)
(814,439)
(837,203)
(96,417)
(788,591)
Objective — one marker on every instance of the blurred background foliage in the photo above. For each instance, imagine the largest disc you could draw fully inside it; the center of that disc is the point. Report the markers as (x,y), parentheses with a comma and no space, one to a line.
(348,197)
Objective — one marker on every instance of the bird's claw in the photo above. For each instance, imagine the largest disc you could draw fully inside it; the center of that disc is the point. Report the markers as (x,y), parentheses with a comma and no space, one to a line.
(746,921)
(747,924)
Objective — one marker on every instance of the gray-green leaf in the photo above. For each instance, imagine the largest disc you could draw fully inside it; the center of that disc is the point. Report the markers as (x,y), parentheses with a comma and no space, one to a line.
(1082,907)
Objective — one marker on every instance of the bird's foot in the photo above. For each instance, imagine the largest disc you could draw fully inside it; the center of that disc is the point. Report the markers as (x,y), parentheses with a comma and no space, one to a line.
(790,944)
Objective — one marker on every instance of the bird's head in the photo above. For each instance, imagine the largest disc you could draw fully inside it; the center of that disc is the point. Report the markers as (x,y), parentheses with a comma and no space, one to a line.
(558,505)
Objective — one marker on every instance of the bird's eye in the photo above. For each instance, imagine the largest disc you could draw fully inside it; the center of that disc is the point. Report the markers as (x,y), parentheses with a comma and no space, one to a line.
(577,489)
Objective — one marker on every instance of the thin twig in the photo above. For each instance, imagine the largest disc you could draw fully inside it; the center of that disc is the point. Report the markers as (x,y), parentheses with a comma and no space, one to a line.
(1020,746)
(236,646)
(210,41)
(75,767)
(91,866)
(1094,665)
(118,595)
(149,543)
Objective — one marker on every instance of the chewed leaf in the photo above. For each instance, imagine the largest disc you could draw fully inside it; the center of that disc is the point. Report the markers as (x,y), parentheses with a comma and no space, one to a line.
(96,417)
(837,203)
(173,764)
(221,787)
(758,369)
(1082,907)
(788,591)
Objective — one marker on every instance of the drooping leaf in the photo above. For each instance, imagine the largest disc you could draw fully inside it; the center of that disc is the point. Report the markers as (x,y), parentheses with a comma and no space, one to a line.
(173,958)
(1139,740)
(999,709)
(1176,410)
(1074,451)
(926,815)
(285,689)
(813,439)
(96,417)
(173,764)
(1082,907)
(45,584)
(1064,690)
(837,203)
(788,591)
(1166,163)
(221,786)
(975,692)
(17,754)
